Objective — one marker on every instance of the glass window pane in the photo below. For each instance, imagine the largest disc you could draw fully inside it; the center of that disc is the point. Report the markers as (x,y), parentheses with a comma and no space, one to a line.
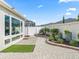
(15,26)
(21,27)
(7,25)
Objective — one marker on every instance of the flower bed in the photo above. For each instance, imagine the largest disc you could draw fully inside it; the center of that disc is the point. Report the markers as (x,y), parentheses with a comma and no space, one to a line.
(56,38)
(62,45)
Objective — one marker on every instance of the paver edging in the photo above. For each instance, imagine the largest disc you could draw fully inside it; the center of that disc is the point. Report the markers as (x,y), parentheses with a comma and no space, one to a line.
(62,45)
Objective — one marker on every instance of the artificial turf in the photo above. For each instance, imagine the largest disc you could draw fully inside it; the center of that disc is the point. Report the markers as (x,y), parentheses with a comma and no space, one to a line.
(20,48)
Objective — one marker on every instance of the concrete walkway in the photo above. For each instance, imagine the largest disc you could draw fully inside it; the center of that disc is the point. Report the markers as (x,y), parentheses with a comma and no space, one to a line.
(27,41)
(43,51)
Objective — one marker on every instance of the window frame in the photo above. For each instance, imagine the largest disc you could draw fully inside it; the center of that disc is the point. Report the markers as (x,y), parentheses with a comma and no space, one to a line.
(15,26)
(5,25)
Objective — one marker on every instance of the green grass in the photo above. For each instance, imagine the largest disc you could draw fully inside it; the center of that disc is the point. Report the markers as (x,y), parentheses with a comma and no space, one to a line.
(20,48)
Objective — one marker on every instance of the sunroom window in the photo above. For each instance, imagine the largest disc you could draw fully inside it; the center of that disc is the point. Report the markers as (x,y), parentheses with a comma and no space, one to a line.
(15,26)
(7,25)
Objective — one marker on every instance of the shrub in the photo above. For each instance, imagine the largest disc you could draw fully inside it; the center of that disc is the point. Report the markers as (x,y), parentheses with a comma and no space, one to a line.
(78,35)
(68,35)
(51,38)
(56,37)
(60,35)
(67,32)
(55,31)
(44,31)
(61,41)
(73,43)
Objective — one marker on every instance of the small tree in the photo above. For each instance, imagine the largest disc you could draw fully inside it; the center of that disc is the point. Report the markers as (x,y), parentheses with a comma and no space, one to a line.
(63,19)
(78,17)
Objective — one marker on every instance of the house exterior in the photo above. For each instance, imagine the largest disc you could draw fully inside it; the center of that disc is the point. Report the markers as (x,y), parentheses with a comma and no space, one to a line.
(29,23)
(11,25)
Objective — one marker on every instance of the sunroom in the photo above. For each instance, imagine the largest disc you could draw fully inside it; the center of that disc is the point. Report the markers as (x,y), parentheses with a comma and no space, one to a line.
(11,25)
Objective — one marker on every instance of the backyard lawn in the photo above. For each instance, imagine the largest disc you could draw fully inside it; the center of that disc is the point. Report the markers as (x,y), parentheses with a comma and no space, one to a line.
(20,48)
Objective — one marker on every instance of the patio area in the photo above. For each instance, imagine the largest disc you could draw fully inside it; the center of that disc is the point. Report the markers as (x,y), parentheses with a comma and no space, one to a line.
(42,51)
(27,41)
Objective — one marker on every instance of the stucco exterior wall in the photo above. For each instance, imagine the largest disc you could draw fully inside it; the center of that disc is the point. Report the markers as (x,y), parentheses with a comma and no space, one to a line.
(32,30)
(4,12)
(72,27)
(1,30)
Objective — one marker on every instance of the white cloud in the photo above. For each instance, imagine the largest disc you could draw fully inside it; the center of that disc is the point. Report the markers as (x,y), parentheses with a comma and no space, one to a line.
(68,1)
(40,6)
(72,9)
(24,15)
(68,14)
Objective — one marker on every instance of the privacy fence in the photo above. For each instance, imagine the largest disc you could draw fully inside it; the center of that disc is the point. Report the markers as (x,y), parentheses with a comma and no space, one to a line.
(72,27)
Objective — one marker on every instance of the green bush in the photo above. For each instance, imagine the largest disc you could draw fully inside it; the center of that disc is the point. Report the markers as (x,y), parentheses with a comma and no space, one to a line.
(51,38)
(73,43)
(43,31)
(67,32)
(55,31)
(78,35)
(68,35)
(59,36)
(56,37)
(61,41)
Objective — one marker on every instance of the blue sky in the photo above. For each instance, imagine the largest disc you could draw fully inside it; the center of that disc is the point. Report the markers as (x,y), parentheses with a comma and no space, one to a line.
(46,11)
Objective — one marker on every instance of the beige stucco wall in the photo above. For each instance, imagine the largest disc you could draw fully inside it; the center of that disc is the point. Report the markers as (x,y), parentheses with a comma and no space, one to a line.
(32,30)
(72,26)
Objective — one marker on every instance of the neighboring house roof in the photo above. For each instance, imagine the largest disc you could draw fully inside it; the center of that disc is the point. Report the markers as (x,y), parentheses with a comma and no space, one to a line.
(29,23)
(11,9)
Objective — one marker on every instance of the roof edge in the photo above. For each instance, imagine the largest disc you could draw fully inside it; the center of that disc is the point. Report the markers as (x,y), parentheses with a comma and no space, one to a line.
(9,8)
